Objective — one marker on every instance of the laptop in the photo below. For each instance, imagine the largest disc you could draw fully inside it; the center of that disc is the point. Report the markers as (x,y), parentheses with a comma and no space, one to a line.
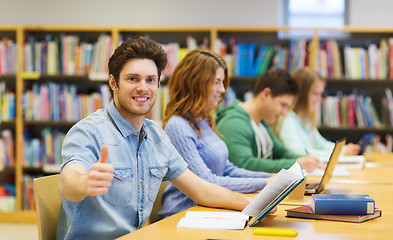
(319,187)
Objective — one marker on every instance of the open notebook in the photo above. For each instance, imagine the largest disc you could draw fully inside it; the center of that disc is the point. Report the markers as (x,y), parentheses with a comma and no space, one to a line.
(271,195)
(278,188)
(318,187)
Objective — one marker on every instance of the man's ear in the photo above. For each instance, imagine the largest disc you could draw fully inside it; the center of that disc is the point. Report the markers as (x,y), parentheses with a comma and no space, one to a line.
(112,82)
(266,92)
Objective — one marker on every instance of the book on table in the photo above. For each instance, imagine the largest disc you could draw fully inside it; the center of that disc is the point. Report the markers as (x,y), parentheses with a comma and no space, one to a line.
(350,204)
(269,197)
(306,212)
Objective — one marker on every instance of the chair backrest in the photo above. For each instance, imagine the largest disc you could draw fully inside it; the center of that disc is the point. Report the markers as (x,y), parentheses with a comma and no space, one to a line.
(47,201)
(157,206)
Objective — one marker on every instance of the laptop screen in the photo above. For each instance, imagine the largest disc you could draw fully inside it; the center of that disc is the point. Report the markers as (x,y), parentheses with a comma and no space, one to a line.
(331,164)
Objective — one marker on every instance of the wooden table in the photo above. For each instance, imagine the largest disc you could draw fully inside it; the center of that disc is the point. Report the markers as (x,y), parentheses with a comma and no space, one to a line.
(379,228)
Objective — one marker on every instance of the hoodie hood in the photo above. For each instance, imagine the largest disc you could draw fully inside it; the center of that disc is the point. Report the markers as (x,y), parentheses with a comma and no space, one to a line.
(233,110)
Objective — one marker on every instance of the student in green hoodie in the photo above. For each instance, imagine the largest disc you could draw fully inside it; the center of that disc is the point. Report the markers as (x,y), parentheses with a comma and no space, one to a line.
(245,130)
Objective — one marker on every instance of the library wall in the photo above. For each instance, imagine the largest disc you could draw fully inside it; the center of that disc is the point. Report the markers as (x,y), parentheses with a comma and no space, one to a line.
(374,14)
(172,12)
(147,12)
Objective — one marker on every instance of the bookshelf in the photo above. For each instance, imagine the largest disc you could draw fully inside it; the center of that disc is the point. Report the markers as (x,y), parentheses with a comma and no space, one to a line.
(25,79)
(338,81)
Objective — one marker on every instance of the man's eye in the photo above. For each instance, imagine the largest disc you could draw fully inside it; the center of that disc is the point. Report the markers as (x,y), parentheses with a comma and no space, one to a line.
(152,80)
(132,79)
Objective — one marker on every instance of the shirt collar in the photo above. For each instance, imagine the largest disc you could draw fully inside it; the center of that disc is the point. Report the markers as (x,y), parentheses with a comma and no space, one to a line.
(124,127)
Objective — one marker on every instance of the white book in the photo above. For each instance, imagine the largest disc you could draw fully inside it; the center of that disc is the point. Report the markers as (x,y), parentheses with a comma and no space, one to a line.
(213,220)
(338,172)
(346,162)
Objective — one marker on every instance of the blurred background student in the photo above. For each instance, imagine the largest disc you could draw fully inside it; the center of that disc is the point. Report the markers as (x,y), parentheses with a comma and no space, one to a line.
(245,129)
(196,87)
(298,130)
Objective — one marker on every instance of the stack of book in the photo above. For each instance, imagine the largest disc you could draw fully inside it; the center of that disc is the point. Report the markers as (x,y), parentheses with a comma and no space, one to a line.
(338,207)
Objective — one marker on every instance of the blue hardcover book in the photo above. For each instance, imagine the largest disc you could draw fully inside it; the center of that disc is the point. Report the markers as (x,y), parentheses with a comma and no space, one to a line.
(342,204)
(259,59)
(250,54)
(241,60)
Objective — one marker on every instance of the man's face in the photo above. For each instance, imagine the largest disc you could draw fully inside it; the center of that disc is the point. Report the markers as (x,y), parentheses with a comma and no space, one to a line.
(277,106)
(136,91)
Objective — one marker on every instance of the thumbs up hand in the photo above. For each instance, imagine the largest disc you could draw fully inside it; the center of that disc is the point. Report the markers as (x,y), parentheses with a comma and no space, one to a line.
(100,176)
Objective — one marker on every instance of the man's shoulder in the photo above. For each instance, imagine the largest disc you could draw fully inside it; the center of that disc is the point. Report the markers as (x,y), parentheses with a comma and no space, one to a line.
(232,115)
(95,118)
(154,130)
(92,122)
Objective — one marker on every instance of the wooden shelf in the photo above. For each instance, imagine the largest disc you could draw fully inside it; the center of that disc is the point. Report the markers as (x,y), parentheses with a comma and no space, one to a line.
(24,216)
(356,129)
(49,123)
(40,170)
(360,83)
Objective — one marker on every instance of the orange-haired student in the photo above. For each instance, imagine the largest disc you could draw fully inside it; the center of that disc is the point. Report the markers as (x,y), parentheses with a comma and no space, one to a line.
(196,87)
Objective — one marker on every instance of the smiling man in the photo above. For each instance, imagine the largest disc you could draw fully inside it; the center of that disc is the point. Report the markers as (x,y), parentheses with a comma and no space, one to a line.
(249,139)
(114,160)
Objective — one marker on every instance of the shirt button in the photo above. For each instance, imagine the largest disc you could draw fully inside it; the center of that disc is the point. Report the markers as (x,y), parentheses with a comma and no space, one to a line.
(140,209)
(122,176)
(140,181)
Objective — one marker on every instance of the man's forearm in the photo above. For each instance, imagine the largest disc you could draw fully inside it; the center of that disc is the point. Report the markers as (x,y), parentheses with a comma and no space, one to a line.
(73,184)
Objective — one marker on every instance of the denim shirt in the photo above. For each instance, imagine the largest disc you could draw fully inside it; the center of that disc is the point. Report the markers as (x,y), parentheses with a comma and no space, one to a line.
(141,161)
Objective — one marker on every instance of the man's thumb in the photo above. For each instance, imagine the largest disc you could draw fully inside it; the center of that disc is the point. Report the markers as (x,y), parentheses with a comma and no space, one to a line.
(104,154)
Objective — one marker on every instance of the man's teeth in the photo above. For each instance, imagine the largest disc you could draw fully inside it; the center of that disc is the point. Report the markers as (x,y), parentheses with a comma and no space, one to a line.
(141,98)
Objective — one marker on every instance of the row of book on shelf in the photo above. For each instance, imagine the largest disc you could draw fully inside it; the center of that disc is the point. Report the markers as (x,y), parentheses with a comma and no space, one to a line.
(355,110)
(7,103)
(7,151)
(8,52)
(7,194)
(248,59)
(348,111)
(43,150)
(62,102)
(28,201)
(372,62)
(53,102)
(67,55)
(38,151)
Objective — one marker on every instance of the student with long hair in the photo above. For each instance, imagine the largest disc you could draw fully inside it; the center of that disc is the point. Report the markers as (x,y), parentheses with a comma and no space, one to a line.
(298,130)
(196,87)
